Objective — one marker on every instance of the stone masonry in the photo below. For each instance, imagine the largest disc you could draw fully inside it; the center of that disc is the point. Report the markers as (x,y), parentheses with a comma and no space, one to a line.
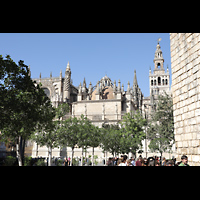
(185,64)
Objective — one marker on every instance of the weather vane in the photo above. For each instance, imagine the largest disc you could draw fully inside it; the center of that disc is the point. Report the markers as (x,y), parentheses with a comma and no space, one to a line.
(158,40)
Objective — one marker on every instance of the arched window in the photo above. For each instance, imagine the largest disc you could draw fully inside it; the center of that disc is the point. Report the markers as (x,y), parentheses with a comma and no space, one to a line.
(158,65)
(151,82)
(166,81)
(154,82)
(159,81)
(163,81)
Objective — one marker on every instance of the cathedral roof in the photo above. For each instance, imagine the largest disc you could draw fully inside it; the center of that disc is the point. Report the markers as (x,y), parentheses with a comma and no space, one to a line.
(107,93)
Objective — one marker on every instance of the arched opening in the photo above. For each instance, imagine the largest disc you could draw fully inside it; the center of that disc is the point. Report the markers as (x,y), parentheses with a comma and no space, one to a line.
(166,81)
(151,82)
(46,91)
(154,82)
(163,81)
(158,65)
(159,81)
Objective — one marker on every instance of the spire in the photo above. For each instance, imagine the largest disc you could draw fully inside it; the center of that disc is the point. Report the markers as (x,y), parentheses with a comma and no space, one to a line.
(84,85)
(114,86)
(119,87)
(128,88)
(158,57)
(98,89)
(84,82)
(68,67)
(90,88)
(135,79)
(80,89)
(60,74)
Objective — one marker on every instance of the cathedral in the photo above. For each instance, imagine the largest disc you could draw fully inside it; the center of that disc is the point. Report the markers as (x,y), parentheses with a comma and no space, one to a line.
(104,102)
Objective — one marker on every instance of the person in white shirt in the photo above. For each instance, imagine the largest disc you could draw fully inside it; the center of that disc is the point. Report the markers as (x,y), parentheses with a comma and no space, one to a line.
(123,163)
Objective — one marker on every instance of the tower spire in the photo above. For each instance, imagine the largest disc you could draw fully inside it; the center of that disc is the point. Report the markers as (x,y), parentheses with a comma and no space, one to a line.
(158,57)
(135,79)
(68,66)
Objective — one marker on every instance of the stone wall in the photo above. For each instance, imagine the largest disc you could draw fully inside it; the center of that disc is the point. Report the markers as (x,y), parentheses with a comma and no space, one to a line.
(185,65)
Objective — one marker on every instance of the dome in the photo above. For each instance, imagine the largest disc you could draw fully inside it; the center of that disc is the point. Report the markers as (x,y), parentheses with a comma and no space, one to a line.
(107,93)
(106,81)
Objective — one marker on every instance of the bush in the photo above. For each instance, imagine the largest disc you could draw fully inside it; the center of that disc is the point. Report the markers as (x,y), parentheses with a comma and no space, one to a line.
(10,160)
(28,161)
(40,162)
(59,162)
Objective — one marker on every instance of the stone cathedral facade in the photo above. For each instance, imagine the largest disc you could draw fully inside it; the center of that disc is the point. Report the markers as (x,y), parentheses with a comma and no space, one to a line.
(104,102)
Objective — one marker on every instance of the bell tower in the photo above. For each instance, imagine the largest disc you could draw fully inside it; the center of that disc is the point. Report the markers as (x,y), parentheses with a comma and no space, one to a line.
(159,79)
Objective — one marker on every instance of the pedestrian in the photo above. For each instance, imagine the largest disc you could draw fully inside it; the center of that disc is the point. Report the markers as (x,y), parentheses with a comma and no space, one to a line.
(119,161)
(169,163)
(163,162)
(69,159)
(110,163)
(133,161)
(184,161)
(65,162)
(139,161)
(145,163)
(129,162)
(157,163)
(123,163)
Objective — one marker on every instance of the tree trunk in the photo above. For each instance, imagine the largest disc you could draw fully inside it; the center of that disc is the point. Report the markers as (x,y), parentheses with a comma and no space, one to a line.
(50,153)
(22,148)
(92,156)
(82,158)
(72,156)
(18,151)
(106,159)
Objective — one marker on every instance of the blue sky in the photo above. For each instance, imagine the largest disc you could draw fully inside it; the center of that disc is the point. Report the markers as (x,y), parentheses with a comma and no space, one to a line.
(91,55)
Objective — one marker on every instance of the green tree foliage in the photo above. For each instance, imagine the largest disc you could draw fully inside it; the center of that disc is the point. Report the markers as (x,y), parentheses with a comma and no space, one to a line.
(68,133)
(132,132)
(23,105)
(161,125)
(47,134)
(111,138)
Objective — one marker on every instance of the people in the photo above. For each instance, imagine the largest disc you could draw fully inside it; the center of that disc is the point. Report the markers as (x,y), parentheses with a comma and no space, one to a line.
(139,161)
(164,162)
(150,161)
(66,162)
(184,161)
(123,163)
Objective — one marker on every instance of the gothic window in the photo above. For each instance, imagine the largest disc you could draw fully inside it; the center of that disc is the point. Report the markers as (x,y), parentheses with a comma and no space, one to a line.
(154,82)
(159,81)
(166,81)
(151,82)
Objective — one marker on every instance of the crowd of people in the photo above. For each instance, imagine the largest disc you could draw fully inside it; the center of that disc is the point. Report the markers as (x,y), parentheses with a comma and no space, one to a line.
(151,161)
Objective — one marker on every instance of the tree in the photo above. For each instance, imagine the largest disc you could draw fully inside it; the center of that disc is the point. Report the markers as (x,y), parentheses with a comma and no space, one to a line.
(67,134)
(23,104)
(47,134)
(132,132)
(84,134)
(110,139)
(161,126)
(94,139)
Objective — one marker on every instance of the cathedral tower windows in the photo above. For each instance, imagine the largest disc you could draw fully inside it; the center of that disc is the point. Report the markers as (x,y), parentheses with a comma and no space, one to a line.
(159,79)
